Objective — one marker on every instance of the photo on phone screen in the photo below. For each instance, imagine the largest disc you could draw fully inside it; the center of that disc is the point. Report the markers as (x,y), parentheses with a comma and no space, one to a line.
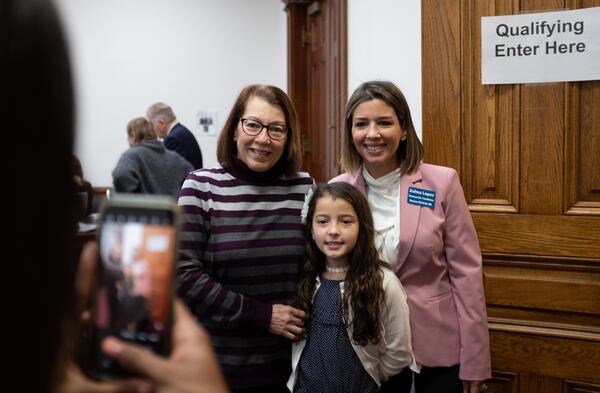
(134,296)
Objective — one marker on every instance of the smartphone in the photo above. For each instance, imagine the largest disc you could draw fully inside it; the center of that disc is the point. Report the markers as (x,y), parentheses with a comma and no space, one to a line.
(137,241)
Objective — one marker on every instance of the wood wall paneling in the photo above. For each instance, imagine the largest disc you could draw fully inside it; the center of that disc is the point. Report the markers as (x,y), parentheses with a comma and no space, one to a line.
(541,161)
(526,154)
(573,325)
(555,289)
(534,383)
(582,172)
(590,144)
(315,146)
(539,235)
(580,387)
(317,39)
(490,124)
(545,356)
(503,382)
(298,61)
(337,82)
(442,94)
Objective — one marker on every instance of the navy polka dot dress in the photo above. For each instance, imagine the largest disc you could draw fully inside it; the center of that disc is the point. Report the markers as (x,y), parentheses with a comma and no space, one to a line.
(328,363)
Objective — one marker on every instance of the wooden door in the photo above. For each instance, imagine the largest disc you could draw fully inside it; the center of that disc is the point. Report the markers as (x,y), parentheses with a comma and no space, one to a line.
(317,79)
(529,160)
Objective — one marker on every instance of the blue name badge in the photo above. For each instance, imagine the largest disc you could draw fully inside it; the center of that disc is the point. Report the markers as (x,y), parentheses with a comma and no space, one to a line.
(421,197)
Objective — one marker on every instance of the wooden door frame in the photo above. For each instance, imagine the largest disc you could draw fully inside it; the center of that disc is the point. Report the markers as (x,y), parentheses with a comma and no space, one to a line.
(336,76)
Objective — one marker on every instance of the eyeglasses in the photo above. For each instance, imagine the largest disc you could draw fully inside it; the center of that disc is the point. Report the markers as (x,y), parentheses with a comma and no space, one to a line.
(253,128)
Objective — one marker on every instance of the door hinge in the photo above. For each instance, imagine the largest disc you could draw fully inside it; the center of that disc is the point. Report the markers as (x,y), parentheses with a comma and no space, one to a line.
(306,144)
(304,37)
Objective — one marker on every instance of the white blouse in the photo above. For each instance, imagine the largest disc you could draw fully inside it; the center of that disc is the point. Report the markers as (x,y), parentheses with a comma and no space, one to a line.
(382,194)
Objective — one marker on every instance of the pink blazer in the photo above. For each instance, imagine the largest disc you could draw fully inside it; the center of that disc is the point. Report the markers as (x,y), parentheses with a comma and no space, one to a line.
(439,265)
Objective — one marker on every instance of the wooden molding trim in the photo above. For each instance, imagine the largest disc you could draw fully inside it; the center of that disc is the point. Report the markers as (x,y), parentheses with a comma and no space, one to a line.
(564,236)
(542,262)
(548,329)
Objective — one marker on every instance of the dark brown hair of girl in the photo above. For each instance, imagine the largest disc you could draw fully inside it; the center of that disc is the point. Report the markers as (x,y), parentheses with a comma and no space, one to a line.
(364,281)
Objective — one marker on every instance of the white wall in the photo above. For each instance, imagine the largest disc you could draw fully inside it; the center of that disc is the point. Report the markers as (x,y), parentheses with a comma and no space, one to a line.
(384,42)
(191,54)
(198,54)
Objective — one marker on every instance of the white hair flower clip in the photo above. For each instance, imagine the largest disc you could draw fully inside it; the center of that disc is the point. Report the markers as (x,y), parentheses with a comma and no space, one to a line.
(304,212)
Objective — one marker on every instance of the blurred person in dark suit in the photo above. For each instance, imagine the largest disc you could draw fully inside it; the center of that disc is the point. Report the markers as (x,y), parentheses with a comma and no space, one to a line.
(174,134)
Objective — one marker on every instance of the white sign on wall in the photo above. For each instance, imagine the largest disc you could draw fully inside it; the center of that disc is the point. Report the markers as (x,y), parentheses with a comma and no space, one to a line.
(206,122)
(542,47)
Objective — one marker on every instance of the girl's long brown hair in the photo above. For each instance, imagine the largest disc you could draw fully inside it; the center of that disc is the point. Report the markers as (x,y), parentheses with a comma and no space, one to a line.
(364,280)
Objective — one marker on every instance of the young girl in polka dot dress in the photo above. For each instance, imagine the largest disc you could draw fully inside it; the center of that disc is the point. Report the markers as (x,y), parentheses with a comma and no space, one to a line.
(357,330)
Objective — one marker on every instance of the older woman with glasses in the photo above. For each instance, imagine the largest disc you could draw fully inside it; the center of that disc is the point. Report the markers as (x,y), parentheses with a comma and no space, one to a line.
(242,240)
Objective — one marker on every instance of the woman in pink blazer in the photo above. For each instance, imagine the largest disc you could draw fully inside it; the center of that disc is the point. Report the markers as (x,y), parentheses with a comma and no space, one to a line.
(426,233)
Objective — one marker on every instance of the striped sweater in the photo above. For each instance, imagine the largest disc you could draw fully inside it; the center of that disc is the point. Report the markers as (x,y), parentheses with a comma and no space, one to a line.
(242,248)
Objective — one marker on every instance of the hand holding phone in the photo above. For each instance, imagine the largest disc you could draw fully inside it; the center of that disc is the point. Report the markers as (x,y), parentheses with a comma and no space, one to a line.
(192,366)
(133,297)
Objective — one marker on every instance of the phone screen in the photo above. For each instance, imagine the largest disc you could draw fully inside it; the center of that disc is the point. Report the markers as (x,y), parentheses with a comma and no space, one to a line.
(133,299)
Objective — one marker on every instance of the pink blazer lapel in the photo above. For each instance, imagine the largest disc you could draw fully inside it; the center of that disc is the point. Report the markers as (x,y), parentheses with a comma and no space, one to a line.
(409,217)
(358,181)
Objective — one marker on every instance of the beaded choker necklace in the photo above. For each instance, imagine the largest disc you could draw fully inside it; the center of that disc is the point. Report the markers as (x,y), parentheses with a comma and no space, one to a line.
(337,269)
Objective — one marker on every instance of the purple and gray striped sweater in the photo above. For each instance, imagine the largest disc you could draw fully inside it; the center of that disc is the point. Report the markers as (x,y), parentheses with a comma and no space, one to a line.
(242,248)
